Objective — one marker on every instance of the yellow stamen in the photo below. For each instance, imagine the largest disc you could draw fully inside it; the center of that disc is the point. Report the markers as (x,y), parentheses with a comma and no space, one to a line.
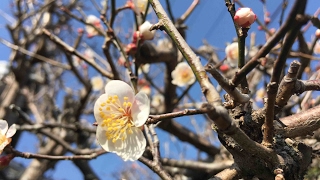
(117,119)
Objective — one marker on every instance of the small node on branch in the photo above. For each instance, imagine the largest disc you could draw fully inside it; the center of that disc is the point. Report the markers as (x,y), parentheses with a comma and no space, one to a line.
(157,26)
(316,22)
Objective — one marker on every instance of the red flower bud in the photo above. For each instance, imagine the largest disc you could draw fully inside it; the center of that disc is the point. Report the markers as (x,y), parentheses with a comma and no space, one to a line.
(5,160)
(224,68)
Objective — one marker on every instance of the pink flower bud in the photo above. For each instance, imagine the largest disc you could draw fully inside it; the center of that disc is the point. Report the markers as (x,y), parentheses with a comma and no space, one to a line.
(146,34)
(267,13)
(136,37)
(267,20)
(224,68)
(5,160)
(317,33)
(131,48)
(80,30)
(95,21)
(130,4)
(244,17)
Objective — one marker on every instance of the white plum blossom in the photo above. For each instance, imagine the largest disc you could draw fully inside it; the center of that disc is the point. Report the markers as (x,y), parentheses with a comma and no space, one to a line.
(157,100)
(146,34)
(244,17)
(145,89)
(182,75)
(89,54)
(97,83)
(4,68)
(232,53)
(157,103)
(144,68)
(6,134)
(46,18)
(141,5)
(95,21)
(120,114)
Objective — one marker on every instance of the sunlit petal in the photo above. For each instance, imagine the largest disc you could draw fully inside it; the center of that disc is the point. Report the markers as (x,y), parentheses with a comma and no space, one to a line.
(140,109)
(3,126)
(135,146)
(103,141)
(11,131)
(119,88)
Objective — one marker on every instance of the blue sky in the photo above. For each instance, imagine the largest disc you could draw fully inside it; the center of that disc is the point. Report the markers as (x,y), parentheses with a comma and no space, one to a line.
(210,21)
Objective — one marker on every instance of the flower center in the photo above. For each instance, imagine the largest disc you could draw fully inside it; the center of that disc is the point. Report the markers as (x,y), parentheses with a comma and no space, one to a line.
(233,54)
(2,138)
(185,74)
(116,117)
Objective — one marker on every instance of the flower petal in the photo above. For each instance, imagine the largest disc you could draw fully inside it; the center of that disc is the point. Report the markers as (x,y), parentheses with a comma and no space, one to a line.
(11,131)
(4,144)
(120,88)
(134,146)
(103,141)
(3,126)
(140,109)
(97,105)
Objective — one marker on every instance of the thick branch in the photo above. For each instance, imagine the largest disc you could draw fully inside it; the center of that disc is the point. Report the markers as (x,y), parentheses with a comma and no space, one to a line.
(301,124)
(276,75)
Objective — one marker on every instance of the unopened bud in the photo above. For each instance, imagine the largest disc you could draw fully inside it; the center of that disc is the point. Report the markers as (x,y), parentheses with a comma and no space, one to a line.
(224,68)
(5,160)
(136,36)
(267,20)
(244,17)
(317,33)
(146,34)
(131,48)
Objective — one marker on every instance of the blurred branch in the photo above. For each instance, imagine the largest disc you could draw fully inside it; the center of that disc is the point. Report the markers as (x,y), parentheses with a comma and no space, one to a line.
(51,135)
(36,127)
(26,155)
(230,173)
(37,56)
(73,51)
(170,10)
(156,168)
(188,12)
(197,165)
(186,135)
(66,11)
